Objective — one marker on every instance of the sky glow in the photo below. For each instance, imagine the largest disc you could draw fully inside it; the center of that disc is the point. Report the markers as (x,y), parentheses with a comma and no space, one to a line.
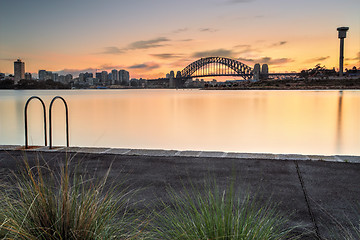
(151,37)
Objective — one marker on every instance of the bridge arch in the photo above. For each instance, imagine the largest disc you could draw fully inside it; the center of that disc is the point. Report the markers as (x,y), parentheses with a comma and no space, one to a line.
(236,68)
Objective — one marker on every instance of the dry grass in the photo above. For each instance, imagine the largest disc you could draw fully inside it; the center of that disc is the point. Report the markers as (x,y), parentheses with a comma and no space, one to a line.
(65,206)
(212,214)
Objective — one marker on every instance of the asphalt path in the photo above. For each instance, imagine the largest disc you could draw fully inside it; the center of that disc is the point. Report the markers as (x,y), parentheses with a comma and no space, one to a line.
(318,196)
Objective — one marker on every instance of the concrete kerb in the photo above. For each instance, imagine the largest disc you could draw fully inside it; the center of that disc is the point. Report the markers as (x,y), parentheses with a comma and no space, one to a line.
(171,153)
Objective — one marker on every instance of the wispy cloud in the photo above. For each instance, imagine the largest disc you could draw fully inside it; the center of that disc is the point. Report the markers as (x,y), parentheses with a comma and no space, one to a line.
(180,30)
(112,50)
(267,60)
(240,1)
(166,55)
(318,59)
(145,66)
(213,53)
(357,58)
(241,59)
(7,59)
(278,44)
(75,72)
(242,46)
(107,67)
(246,49)
(152,43)
(186,40)
(275,61)
(208,30)
(235,1)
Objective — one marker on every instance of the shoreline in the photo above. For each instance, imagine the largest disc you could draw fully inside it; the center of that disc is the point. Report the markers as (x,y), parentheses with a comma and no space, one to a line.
(314,192)
(187,153)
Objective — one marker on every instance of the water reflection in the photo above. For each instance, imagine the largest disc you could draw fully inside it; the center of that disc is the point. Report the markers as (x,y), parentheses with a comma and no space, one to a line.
(308,122)
(339,124)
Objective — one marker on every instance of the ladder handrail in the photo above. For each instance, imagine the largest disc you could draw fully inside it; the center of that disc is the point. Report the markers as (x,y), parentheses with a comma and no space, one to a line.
(67,120)
(26,120)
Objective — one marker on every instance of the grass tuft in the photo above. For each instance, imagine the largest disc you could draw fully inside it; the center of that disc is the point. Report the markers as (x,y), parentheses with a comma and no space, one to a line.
(212,214)
(46,205)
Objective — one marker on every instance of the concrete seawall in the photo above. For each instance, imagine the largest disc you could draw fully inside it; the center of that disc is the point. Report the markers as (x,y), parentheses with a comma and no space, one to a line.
(316,191)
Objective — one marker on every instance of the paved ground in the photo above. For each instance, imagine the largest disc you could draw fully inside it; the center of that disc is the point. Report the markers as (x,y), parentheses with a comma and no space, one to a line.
(318,192)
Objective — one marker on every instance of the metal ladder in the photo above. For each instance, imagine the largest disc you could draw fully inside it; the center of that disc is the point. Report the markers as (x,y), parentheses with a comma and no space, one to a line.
(50,120)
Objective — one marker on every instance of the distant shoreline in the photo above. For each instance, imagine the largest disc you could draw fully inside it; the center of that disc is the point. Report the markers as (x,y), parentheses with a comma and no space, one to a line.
(305,84)
(317,88)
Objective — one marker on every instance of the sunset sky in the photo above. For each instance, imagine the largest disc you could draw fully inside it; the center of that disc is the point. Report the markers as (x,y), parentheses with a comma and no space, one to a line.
(151,37)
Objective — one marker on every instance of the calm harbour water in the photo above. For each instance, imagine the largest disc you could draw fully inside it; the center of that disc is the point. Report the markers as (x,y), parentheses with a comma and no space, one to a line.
(306,122)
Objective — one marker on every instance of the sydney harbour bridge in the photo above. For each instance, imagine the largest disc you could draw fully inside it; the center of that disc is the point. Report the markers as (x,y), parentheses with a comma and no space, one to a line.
(218,66)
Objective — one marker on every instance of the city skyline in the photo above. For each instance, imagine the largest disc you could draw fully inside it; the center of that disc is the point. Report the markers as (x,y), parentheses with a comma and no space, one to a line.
(150,38)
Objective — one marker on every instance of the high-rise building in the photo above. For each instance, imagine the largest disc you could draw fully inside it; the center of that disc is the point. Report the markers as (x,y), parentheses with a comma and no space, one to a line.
(98,75)
(42,74)
(19,70)
(104,76)
(49,75)
(172,82)
(124,77)
(114,77)
(84,76)
(45,75)
(81,77)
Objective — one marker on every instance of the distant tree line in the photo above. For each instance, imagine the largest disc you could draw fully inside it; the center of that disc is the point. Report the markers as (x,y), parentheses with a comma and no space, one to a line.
(32,84)
(322,72)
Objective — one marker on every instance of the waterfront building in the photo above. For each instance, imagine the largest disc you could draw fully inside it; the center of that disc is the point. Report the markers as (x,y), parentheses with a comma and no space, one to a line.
(19,70)
(134,82)
(55,77)
(88,75)
(81,77)
(62,79)
(49,75)
(108,82)
(256,70)
(114,77)
(84,76)
(28,76)
(124,77)
(98,76)
(104,77)
(68,78)
(42,74)
(90,81)
(172,83)
(264,71)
